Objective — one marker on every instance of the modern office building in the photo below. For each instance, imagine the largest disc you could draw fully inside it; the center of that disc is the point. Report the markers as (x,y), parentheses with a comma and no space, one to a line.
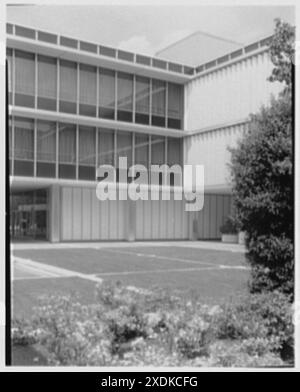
(74,105)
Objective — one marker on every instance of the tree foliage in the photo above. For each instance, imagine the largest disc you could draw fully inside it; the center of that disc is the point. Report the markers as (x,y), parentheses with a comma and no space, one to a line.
(263,187)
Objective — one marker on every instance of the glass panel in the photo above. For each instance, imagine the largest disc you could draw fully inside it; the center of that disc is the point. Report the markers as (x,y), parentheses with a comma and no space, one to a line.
(142,100)
(87,147)
(68,86)
(24,147)
(28,215)
(142,149)
(174,151)
(46,141)
(158,103)
(175,105)
(124,150)
(67,151)
(24,131)
(25,79)
(125,96)
(47,83)
(106,147)
(158,154)
(88,90)
(10,74)
(157,150)
(107,94)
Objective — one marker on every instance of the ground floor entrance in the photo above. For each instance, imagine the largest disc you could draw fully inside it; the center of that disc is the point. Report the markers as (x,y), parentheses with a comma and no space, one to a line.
(29,215)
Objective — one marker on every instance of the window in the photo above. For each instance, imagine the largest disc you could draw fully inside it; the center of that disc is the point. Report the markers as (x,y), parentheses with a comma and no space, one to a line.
(87,151)
(106,94)
(88,90)
(158,103)
(25,79)
(174,151)
(23,146)
(142,100)
(106,138)
(124,150)
(158,154)
(67,151)
(106,147)
(46,149)
(10,74)
(175,105)
(47,83)
(142,150)
(68,86)
(125,96)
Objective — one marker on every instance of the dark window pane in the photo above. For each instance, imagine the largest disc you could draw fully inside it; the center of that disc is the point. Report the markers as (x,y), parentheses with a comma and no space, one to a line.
(87,173)
(106,147)
(88,90)
(175,105)
(68,86)
(106,94)
(24,146)
(46,141)
(158,103)
(47,83)
(23,168)
(142,99)
(67,171)
(46,37)
(87,146)
(45,169)
(25,32)
(67,143)
(125,96)
(25,79)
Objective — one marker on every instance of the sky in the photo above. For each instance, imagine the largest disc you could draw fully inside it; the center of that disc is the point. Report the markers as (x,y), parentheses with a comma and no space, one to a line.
(148,29)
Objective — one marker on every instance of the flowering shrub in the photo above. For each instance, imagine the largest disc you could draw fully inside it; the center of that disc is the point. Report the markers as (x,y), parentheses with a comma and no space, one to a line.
(129,328)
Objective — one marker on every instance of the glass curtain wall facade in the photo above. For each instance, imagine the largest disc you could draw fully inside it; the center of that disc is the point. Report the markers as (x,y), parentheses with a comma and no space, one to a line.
(48,83)
(39,148)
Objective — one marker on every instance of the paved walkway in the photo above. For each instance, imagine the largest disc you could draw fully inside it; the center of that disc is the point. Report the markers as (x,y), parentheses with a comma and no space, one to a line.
(212,245)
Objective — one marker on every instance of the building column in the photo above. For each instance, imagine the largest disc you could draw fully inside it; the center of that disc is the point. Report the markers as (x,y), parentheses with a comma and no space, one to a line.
(54,213)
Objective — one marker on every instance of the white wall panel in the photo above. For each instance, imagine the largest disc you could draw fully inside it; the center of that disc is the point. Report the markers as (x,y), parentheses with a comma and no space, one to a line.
(229,93)
(211,150)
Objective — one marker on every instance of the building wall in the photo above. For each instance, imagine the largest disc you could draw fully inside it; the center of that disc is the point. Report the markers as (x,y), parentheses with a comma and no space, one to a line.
(84,217)
(211,150)
(229,93)
(213,215)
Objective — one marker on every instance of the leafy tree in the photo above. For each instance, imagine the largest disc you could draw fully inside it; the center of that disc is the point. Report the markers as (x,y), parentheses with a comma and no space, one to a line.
(263,187)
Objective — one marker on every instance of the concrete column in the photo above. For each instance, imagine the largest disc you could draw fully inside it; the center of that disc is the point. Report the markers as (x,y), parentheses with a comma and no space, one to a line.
(54,213)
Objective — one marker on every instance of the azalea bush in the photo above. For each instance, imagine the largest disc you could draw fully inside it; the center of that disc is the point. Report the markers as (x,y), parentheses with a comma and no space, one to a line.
(130,328)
